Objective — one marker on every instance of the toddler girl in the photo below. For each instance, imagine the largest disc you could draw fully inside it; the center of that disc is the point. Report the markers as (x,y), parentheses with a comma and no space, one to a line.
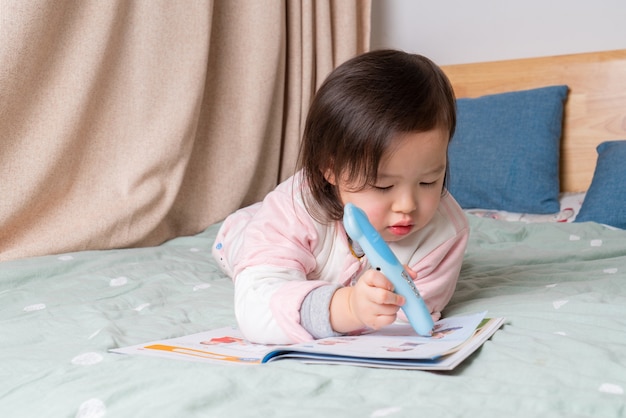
(376,136)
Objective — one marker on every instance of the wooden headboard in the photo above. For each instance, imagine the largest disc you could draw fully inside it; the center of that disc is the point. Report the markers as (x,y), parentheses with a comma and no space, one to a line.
(595,110)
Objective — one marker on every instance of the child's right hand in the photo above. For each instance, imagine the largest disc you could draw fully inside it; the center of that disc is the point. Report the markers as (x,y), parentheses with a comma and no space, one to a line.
(370,303)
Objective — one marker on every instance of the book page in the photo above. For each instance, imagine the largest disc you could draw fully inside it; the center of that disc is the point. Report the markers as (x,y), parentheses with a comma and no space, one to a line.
(397,341)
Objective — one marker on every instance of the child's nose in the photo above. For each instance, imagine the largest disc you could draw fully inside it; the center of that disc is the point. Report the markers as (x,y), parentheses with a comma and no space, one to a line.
(406,203)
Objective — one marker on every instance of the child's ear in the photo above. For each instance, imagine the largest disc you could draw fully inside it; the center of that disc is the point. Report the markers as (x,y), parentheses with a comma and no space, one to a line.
(329,175)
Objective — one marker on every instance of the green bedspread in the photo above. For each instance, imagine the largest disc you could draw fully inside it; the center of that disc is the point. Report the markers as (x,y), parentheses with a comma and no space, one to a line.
(561,352)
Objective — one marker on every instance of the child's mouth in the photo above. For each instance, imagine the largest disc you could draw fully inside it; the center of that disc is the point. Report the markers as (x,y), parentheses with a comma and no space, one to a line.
(400,230)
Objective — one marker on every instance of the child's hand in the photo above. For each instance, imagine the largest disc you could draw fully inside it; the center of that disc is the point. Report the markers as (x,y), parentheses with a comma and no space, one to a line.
(370,303)
(373,302)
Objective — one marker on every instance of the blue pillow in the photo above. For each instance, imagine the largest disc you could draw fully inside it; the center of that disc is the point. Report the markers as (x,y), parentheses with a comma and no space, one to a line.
(605,201)
(505,152)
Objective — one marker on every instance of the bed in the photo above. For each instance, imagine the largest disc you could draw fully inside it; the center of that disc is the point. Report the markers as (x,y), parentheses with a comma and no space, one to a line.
(549,256)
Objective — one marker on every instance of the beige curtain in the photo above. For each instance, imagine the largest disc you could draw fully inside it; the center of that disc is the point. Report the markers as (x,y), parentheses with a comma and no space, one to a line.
(129,122)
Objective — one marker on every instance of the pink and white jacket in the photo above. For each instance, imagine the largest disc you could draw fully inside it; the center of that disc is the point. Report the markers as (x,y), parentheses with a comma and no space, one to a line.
(276,254)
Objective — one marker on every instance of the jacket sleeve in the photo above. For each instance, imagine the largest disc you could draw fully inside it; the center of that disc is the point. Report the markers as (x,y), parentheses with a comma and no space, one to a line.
(268,250)
(268,302)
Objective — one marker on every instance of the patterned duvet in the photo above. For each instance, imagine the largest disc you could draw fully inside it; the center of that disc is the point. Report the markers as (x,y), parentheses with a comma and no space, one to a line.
(561,352)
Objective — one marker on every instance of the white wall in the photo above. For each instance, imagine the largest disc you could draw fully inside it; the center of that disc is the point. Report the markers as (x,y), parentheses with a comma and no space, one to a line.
(460,31)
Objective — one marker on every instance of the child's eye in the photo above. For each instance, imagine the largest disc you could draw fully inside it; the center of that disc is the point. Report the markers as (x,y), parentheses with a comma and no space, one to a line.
(429,184)
(383,188)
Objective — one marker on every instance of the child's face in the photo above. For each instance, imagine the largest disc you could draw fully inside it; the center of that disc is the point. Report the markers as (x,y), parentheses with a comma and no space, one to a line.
(409,185)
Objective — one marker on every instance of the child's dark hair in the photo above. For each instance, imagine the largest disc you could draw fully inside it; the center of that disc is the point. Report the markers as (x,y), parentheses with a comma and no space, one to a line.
(358,111)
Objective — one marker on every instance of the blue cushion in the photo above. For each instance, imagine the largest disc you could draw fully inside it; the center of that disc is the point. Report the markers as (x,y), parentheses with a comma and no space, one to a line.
(605,201)
(505,152)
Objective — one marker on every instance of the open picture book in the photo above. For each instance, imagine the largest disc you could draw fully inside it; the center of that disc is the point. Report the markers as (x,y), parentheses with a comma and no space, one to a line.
(396,346)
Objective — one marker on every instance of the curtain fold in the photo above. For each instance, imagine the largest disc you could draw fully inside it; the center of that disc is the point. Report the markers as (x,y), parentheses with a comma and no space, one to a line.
(320,35)
(127,123)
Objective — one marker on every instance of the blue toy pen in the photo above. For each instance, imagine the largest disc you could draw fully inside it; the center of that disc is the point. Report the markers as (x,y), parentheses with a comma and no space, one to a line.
(381,257)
